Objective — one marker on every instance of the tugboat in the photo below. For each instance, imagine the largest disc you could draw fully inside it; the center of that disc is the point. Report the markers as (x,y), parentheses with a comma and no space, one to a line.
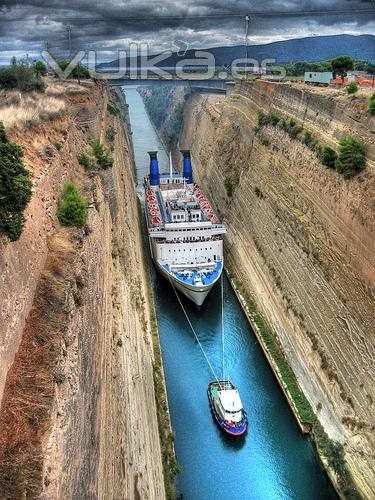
(227,407)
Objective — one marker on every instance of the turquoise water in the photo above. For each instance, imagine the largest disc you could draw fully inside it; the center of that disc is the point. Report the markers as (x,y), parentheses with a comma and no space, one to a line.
(274,460)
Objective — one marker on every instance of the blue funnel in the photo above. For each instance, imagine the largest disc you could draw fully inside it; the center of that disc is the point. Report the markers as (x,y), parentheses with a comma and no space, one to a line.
(154,168)
(187,171)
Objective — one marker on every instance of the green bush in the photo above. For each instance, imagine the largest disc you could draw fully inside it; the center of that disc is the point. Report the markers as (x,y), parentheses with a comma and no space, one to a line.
(57,145)
(352,88)
(72,209)
(328,156)
(80,70)
(21,76)
(15,187)
(264,119)
(228,187)
(274,119)
(86,162)
(110,134)
(102,154)
(352,157)
(291,127)
(308,138)
(372,104)
(258,192)
(40,68)
(113,109)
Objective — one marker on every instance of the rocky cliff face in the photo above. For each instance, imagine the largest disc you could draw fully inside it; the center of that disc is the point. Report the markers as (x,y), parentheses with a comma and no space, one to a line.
(301,241)
(78,365)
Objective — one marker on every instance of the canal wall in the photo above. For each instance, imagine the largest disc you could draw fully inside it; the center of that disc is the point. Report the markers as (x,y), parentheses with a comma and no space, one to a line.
(78,412)
(300,247)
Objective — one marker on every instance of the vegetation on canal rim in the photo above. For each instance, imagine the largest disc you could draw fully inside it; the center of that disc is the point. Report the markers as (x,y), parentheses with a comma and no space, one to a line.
(350,160)
(332,450)
(300,67)
(21,76)
(15,187)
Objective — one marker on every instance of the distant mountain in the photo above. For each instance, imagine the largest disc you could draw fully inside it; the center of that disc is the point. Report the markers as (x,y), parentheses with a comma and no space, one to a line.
(311,49)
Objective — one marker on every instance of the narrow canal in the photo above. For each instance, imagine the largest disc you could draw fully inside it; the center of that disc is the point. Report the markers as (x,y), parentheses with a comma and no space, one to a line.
(274,461)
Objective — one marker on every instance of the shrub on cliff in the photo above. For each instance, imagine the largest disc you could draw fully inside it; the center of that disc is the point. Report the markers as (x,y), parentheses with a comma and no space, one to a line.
(291,127)
(113,109)
(352,88)
(72,208)
(372,104)
(15,187)
(328,156)
(228,187)
(352,157)
(308,139)
(102,154)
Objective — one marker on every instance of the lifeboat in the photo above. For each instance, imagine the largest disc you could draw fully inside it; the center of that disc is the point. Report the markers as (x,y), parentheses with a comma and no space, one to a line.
(154,212)
(155,220)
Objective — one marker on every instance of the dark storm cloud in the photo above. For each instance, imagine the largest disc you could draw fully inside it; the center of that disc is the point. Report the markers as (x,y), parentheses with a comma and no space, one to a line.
(113,24)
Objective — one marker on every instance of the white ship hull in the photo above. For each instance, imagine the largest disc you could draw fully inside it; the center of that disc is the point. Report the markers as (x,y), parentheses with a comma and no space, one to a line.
(197,294)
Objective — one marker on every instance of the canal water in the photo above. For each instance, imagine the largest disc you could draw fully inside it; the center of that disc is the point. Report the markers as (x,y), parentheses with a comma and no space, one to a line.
(274,461)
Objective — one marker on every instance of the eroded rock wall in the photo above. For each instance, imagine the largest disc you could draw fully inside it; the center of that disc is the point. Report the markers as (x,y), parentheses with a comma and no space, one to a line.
(301,241)
(99,437)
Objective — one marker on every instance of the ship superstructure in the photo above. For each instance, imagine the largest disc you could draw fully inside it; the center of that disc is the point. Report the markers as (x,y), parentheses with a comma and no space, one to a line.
(186,238)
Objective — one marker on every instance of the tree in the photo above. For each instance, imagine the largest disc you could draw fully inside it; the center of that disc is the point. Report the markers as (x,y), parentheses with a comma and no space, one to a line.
(72,208)
(15,187)
(40,68)
(352,157)
(21,76)
(341,65)
(371,69)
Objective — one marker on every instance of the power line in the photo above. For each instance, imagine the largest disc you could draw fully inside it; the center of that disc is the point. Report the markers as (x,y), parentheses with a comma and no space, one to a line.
(264,14)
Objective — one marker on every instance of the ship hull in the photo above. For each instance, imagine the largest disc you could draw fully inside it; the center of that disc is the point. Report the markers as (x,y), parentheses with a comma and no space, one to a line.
(197,294)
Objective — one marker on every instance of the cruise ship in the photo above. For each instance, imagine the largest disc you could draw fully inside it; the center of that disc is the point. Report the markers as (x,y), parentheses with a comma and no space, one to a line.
(186,238)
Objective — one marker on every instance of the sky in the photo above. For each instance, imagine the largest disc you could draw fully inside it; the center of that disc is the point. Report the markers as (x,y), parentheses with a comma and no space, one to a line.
(107,26)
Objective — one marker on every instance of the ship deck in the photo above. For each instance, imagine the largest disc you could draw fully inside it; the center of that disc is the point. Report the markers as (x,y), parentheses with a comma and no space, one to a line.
(190,278)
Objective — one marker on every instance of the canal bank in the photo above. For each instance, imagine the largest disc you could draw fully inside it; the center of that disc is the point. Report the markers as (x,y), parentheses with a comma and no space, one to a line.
(274,460)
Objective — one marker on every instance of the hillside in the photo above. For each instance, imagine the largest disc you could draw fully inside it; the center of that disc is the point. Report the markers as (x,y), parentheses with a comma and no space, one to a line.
(311,49)
(78,415)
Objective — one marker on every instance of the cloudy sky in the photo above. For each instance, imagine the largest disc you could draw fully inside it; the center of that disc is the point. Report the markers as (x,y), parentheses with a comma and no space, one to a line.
(107,26)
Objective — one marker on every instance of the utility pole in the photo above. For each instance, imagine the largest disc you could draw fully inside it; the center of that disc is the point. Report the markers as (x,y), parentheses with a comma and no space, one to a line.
(247,20)
(69,30)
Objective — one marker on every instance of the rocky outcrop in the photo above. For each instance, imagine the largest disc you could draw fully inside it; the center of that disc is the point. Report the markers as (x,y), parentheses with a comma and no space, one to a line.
(301,242)
(93,425)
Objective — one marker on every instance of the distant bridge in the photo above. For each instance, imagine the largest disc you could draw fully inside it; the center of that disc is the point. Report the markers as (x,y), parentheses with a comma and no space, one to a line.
(216,85)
